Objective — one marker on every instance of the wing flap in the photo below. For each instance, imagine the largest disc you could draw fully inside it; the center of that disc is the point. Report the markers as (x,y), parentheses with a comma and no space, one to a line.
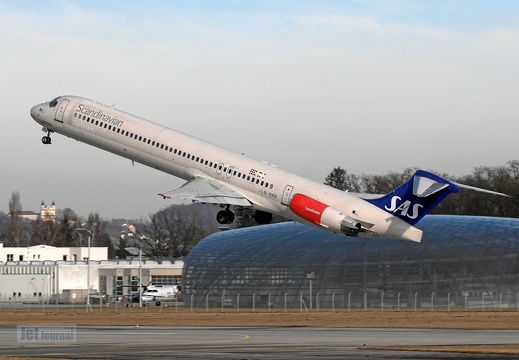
(207,191)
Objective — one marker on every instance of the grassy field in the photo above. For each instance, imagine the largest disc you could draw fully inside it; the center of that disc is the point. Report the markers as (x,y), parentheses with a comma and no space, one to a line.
(170,316)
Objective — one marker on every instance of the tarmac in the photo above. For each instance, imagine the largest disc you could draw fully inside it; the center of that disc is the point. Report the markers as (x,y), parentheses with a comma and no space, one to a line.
(96,342)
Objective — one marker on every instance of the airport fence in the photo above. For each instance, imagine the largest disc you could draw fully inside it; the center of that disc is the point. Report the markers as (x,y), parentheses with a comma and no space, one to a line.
(349,301)
(303,301)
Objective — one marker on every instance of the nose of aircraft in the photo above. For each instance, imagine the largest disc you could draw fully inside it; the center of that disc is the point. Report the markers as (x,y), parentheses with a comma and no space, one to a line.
(38,112)
(35,111)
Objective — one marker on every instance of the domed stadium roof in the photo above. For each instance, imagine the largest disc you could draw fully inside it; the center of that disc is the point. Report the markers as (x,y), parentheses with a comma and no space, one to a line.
(461,261)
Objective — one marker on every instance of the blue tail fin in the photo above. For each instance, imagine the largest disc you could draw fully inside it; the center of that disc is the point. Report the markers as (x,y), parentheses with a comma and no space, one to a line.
(417,197)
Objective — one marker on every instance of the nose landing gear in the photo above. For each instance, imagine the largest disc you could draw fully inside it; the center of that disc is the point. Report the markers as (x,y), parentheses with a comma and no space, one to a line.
(46,139)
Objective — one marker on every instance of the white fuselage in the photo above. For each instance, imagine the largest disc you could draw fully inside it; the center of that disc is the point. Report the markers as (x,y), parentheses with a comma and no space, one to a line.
(268,188)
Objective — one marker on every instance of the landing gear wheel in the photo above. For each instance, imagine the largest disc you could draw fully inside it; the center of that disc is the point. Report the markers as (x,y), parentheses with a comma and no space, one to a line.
(225,217)
(46,139)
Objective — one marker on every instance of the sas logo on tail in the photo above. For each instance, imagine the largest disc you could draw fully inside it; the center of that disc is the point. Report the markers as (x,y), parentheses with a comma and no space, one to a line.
(404,207)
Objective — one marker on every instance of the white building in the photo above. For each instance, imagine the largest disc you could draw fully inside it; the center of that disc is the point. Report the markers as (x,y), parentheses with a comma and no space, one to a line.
(61,274)
(47,213)
(45,252)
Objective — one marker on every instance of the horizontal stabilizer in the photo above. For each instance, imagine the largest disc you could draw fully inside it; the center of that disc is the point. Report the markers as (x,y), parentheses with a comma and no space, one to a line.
(480,190)
(207,191)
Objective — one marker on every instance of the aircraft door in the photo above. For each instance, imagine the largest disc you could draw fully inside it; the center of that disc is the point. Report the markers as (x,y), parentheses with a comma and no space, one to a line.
(285,200)
(219,168)
(60,112)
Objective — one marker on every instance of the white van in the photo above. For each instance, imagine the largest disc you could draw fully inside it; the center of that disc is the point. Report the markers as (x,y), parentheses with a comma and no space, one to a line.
(159,293)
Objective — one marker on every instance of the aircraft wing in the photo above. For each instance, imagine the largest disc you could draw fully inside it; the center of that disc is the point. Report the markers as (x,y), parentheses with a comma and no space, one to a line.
(207,191)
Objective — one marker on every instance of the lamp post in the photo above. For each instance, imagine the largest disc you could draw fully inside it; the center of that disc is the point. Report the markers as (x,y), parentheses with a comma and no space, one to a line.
(90,235)
(310,276)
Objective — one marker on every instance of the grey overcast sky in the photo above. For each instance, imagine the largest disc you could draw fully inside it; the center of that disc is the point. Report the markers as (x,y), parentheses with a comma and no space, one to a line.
(371,86)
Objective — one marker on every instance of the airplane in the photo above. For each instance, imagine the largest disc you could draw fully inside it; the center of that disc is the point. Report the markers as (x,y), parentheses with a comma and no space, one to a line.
(220,176)
(161,293)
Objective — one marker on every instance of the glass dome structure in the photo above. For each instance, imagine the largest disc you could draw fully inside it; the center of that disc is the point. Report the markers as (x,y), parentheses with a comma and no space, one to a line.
(462,261)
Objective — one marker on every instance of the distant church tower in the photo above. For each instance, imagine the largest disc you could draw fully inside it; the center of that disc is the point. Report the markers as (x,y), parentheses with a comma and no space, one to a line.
(48,212)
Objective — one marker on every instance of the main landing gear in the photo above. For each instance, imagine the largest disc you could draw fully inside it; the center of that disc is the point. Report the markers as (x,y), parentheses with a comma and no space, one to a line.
(225,216)
(46,139)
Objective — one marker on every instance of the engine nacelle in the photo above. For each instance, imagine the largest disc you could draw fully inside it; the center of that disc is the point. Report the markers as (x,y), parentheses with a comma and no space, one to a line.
(323,215)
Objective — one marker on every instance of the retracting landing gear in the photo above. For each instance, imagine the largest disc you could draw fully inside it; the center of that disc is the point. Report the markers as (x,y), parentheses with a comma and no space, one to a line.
(262,217)
(225,216)
(46,139)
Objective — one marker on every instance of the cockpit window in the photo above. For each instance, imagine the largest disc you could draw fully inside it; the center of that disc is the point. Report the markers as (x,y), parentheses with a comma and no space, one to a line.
(54,102)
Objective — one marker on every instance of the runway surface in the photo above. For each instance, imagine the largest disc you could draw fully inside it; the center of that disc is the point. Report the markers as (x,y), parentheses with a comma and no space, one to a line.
(249,343)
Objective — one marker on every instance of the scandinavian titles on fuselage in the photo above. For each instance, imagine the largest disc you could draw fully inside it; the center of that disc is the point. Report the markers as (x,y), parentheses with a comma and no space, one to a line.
(99,115)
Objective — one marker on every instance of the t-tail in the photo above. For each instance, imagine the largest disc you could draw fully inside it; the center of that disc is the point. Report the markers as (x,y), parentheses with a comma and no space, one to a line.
(419,195)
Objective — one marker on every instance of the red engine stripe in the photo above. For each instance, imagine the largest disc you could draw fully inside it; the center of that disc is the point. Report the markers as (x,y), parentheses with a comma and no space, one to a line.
(308,208)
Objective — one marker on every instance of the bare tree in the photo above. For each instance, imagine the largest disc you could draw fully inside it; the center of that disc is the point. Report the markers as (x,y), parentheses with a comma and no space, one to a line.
(383,184)
(13,229)
(101,238)
(340,179)
(46,233)
(171,232)
(67,224)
